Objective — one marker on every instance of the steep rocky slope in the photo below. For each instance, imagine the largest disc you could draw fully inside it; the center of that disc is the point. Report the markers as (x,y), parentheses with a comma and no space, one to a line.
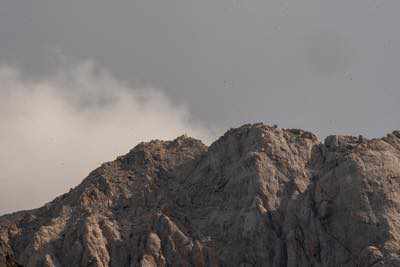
(258,196)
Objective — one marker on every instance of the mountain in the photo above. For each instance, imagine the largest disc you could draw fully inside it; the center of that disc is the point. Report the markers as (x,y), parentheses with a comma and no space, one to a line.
(258,196)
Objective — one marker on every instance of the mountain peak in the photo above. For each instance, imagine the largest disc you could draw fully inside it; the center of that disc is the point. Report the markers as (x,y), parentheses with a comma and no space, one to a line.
(258,196)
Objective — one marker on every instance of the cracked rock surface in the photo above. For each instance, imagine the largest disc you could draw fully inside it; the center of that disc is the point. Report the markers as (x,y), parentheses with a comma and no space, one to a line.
(258,196)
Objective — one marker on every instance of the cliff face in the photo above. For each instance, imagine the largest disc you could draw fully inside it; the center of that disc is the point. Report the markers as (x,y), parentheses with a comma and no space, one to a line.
(258,196)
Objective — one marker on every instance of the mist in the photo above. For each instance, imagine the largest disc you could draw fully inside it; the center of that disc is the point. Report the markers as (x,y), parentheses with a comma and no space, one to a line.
(54,131)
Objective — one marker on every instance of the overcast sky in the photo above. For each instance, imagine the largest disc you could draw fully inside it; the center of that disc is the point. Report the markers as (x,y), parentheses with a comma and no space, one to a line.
(325,66)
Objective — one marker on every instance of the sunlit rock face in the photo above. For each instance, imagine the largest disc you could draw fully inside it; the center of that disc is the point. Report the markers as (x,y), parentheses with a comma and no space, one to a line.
(258,196)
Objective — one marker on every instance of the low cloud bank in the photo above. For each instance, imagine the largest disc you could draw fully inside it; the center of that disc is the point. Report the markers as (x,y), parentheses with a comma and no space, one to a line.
(54,131)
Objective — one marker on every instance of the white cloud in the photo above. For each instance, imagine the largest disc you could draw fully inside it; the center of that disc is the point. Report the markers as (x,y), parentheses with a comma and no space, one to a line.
(54,131)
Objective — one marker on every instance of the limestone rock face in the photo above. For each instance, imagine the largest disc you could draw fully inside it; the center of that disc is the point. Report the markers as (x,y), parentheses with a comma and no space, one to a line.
(258,196)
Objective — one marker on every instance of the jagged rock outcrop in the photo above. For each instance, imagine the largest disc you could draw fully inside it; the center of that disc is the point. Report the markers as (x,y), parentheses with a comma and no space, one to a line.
(258,196)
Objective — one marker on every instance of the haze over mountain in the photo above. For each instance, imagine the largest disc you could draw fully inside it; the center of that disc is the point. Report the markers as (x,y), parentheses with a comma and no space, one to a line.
(53,131)
(258,196)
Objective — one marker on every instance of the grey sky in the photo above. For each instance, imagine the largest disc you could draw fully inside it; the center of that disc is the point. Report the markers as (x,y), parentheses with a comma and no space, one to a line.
(326,66)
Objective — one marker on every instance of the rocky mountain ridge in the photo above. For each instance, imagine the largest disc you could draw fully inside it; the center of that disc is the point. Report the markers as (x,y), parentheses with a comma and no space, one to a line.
(258,196)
